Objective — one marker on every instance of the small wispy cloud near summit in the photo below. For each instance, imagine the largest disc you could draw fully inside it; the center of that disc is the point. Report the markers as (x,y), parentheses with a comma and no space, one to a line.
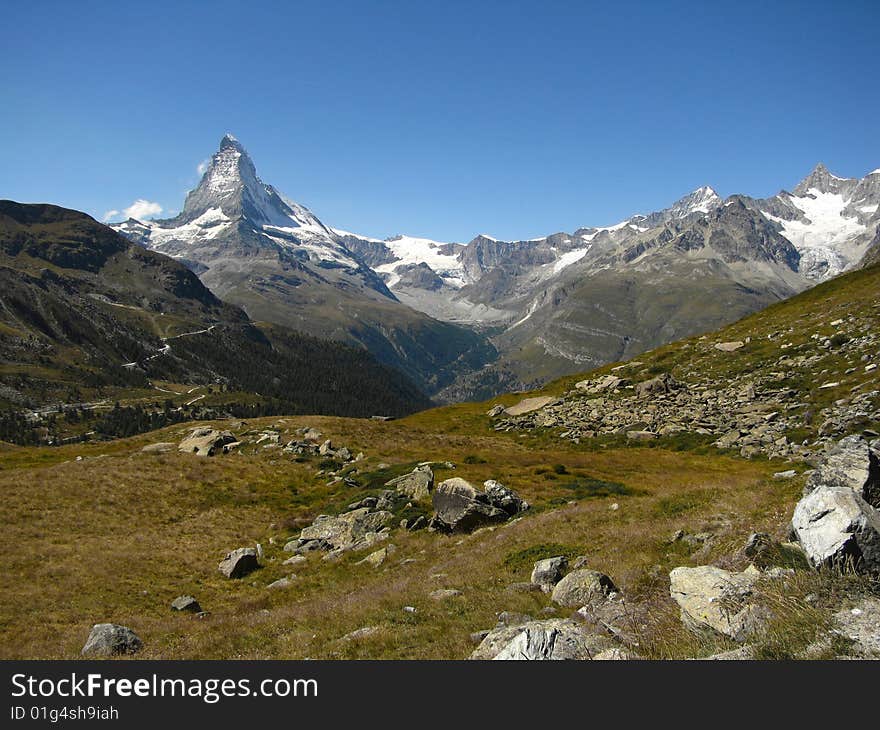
(203,166)
(139,209)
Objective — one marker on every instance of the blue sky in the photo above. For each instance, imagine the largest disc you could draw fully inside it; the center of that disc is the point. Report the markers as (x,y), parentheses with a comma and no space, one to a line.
(437,119)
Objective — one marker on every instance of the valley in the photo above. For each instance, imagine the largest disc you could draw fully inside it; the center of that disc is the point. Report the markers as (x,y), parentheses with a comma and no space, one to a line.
(608,489)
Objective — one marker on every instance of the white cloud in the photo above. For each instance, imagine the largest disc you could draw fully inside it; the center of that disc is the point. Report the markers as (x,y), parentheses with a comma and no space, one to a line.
(141,209)
(203,166)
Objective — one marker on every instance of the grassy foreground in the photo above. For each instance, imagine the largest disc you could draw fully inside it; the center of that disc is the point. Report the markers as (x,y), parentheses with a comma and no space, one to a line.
(119,534)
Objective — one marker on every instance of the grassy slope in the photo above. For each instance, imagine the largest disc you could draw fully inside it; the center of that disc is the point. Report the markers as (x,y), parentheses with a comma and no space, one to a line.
(118,535)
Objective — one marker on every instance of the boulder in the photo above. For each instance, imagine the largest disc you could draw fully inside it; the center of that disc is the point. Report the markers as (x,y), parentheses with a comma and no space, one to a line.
(495,411)
(359,528)
(111,640)
(186,603)
(663,383)
(460,507)
(528,405)
(851,463)
(239,563)
(582,587)
(729,346)
(206,442)
(836,527)
(416,485)
(504,498)
(285,582)
(551,639)
(548,572)
(712,599)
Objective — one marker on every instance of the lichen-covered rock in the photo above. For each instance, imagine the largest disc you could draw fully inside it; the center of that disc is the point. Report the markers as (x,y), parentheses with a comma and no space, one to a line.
(359,528)
(416,485)
(206,442)
(111,640)
(714,599)
(582,588)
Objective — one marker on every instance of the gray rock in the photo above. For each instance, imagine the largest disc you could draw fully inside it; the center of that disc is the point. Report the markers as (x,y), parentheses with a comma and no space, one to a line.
(285,582)
(553,639)
(661,384)
(362,633)
(548,572)
(582,587)
(714,599)
(851,463)
(459,507)
(729,346)
(495,411)
(835,526)
(503,498)
(359,528)
(186,603)
(239,563)
(111,640)
(206,442)
(416,485)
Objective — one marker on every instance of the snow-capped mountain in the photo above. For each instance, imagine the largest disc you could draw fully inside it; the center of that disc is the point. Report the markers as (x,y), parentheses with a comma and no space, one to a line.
(231,193)
(553,305)
(830,220)
(254,247)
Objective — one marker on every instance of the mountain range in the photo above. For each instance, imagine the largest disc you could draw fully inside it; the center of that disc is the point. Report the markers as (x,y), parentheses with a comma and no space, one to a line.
(87,314)
(468,320)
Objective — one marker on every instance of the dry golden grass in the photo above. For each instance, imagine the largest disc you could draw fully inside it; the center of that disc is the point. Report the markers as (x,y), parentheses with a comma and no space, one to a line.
(118,535)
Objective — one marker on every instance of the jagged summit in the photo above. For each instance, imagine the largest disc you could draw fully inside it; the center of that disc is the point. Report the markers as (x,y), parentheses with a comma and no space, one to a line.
(230,141)
(823,180)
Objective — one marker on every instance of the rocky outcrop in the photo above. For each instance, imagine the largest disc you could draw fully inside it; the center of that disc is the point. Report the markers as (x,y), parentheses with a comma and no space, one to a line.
(239,563)
(353,530)
(713,599)
(582,588)
(416,485)
(207,442)
(460,507)
(836,527)
(111,640)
